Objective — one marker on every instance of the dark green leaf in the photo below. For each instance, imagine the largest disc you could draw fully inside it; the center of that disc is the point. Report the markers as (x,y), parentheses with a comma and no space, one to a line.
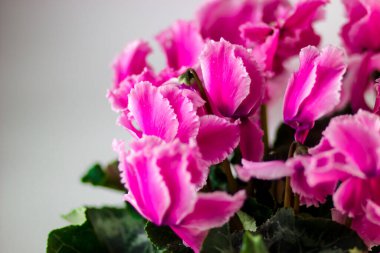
(74,239)
(253,244)
(285,232)
(118,231)
(111,230)
(219,240)
(164,239)
(106,177)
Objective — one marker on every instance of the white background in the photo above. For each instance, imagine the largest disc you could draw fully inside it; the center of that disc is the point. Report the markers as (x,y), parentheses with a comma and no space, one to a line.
(55,122)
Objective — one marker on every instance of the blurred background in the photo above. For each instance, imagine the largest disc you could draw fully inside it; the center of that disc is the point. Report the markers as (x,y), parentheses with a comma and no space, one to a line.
(55,121)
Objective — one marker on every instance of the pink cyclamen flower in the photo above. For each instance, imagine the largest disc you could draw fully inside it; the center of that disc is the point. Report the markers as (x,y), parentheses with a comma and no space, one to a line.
(182,44)
(169,112)
(360,33)
(292,29)
(358,139)
(162,187)
(235,88)
(348,154)
(221,19)
(314,90)
(358,197)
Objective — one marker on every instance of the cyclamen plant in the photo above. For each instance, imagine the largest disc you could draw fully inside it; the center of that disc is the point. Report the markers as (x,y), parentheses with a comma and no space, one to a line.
(200,174)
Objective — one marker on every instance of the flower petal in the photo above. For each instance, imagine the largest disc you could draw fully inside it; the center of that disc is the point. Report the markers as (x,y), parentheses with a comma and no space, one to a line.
(217,138)
(263,170)
(354,137)
(146,184)
(257,87)
(373,212)
(303,15)
(367,230)
(362,31)
(226,80)
(185,112)
(351,196)
(309,195)
(173,163)
(221,19)
(224,207)
(314,90)
(182,44)
(194,227)
(264,40)
(131,61)
(118,97)
(191,237)
(151,112)
(326,91)
(300,84)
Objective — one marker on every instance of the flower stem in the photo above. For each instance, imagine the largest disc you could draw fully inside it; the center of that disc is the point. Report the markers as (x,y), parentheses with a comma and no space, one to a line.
(201,89)
(296,204)
(288,193)
(288,189)
(264,126)
(226,168)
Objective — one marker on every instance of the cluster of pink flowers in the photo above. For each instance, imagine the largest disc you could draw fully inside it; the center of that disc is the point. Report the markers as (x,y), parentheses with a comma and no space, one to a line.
(236,49)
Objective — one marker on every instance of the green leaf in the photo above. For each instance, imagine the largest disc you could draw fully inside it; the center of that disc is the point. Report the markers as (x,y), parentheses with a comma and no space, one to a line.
(107,229)
(76,216)
(285,232)
(164,239)
(249,223)
(108,176)
(118,231)
(218,240)
(74,239)
(253,244)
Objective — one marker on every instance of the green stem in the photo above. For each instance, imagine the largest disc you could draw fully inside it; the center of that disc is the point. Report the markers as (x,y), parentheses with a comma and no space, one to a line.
(264,126)
(201,89)
(296,204)
(288,193)
(288,189)
(226,168)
